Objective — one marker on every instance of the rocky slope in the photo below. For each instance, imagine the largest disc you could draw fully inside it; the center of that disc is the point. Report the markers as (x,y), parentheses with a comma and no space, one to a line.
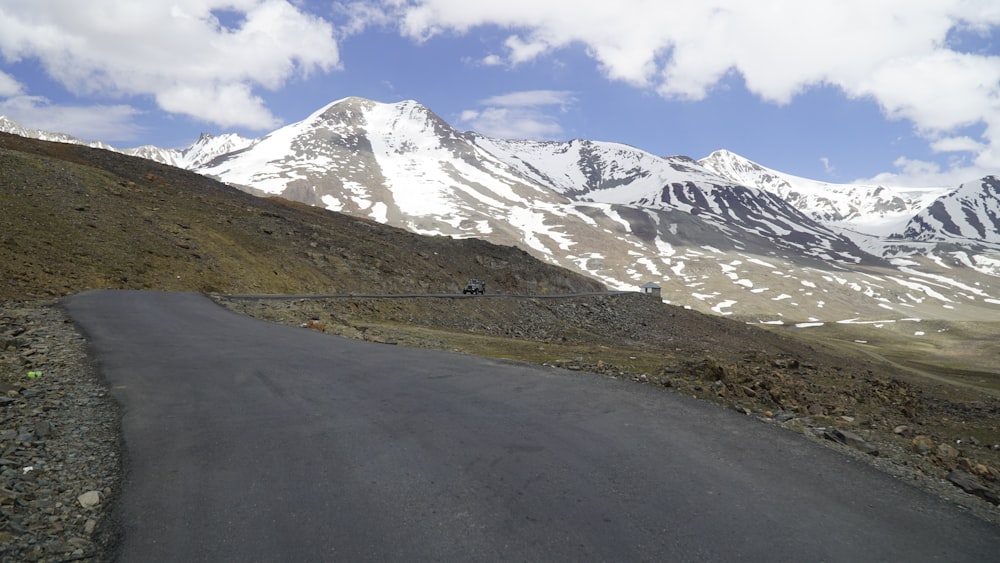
(60,462)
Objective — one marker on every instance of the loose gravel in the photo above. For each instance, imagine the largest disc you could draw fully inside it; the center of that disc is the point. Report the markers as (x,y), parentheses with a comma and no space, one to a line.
(60,462)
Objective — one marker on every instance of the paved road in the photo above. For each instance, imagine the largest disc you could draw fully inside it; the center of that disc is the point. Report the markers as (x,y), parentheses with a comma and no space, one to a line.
(251,441)
(307,296)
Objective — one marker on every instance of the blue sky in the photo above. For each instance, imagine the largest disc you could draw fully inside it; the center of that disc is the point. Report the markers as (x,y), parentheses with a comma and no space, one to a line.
(894,91)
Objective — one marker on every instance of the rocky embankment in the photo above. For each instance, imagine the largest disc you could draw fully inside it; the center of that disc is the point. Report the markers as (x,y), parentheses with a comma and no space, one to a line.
(60,466)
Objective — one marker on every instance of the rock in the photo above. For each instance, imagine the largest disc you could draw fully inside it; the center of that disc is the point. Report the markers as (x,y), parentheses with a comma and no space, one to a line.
(966,464)
(922,445)
(89,499)
(719,388)
(89,526)
(43,428)
(783,416)
(816,409)
(971,485)
(902,430)
(944,451)
(786,363)
(26,437)
(851,439)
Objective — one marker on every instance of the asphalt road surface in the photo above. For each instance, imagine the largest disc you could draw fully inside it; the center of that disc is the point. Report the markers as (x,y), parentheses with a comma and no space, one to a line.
(252,441)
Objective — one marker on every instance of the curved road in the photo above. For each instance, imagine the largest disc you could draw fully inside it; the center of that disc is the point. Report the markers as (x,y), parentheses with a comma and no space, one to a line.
(307,296)
(252,441)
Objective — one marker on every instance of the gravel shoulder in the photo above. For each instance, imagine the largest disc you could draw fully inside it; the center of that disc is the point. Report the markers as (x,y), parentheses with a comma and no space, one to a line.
(60,462)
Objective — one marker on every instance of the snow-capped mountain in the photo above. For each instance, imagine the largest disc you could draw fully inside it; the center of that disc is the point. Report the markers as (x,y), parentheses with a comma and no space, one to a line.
(206,149)
(718,234)
(401,161)
(8,125)
(203,151)
(877,210)
(622,175)
(722,234)
(971,214)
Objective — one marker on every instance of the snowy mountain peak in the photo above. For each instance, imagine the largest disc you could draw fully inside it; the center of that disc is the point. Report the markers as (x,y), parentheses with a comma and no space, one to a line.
(746,172)
(8,125)
(208,147)
(878,210)
(971,212)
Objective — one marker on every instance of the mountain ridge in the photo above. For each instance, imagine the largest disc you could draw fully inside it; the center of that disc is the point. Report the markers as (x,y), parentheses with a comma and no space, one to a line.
(720,234)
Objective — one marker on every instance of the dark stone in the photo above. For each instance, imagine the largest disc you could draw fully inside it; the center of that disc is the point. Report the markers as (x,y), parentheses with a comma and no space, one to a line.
(850,439)
(971,485)
(43,428)
(783,416)
(786,363)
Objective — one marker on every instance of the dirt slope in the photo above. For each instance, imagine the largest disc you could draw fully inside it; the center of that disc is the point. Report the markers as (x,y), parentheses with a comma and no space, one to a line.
(77,218)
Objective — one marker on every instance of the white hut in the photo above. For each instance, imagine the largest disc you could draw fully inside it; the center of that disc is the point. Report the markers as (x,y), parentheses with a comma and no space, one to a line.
(651,288)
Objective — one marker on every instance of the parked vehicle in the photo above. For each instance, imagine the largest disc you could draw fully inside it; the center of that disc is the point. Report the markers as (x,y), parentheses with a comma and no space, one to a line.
(475,286)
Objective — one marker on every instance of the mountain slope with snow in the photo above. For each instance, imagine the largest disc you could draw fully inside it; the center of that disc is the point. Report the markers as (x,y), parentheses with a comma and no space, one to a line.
(618,174)
(717,238)
(877,210)
(722,235)
(970,213)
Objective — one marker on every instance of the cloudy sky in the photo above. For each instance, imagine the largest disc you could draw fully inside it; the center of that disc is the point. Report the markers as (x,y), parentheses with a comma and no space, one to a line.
(903,92)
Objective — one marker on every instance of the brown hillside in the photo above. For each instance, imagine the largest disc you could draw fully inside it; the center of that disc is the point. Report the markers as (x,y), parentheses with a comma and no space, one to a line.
(76,218)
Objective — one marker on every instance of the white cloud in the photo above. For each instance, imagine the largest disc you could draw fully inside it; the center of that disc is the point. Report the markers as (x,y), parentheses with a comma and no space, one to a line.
(957,144)
(202,58)
(912,172)
(90,123)
(492,60)
(829,168)
(892,51)
(359,16)
(9,86)
(521,51)
(519,115)
(531,98)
